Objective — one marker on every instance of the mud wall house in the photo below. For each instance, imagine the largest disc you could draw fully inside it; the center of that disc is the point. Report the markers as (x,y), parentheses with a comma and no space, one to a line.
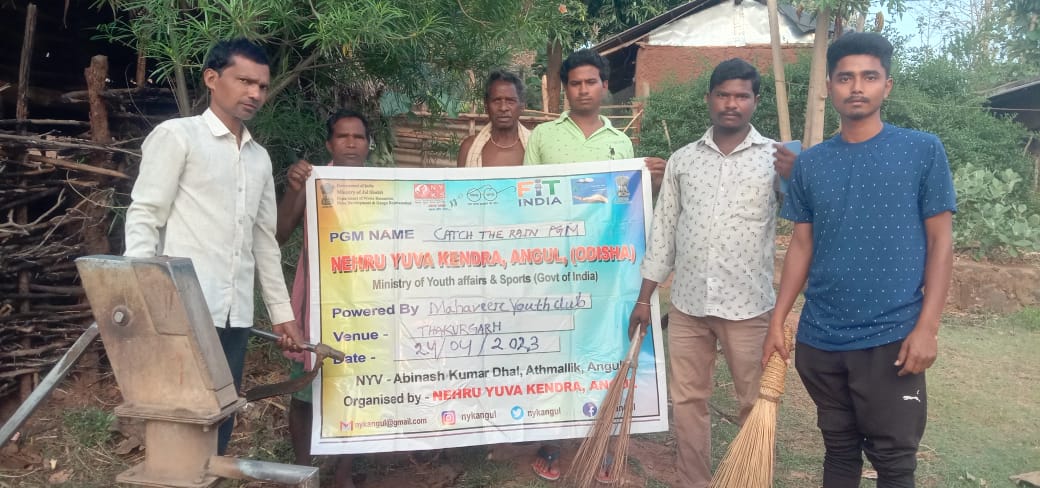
(681,44)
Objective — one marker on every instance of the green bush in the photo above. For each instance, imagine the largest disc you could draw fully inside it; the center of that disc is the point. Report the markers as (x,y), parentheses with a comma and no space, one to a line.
(932,96)
(681,107)
(990,219)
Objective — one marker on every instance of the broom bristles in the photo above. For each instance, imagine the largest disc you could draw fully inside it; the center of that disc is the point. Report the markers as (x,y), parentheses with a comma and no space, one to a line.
(589,458)
(748,462)
(617,470)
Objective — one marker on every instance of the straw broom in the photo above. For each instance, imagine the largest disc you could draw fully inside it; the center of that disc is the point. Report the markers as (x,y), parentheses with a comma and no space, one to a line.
(589,459)
(617,469)
(748,462)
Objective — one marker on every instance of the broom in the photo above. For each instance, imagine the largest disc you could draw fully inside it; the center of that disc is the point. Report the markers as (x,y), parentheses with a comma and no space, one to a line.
(617,468)
(748,462)
(590,456)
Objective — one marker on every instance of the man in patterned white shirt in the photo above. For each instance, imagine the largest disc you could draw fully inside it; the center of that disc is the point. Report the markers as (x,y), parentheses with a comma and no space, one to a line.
(714,225)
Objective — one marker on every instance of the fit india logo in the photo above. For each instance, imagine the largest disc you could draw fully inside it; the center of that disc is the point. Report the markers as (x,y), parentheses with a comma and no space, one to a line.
(448,417)
(326,187)
(517,412)
(539,191)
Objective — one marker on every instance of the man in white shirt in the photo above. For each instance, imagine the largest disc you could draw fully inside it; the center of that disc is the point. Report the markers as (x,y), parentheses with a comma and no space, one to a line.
(205,191)
(714,225)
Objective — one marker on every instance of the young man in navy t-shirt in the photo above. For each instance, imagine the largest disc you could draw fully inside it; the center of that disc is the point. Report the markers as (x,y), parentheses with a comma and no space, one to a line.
(872,209)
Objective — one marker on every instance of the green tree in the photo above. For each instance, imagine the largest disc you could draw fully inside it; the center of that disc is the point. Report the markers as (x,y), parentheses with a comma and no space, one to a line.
(380,56)
(1025,28)
(986,39)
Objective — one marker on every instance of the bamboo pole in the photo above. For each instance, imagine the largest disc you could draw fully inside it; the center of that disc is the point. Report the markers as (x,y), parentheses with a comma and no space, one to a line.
(778,72)
(816,103)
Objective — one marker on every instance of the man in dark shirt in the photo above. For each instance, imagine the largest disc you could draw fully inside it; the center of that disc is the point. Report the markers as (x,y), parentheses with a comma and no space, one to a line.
(873,235)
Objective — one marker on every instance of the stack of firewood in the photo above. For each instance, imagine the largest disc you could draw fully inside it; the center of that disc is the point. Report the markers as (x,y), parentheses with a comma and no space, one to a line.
(62,189)
(53,209)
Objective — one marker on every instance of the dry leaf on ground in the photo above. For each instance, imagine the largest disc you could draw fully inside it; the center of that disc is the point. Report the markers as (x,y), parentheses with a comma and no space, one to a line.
(60,477)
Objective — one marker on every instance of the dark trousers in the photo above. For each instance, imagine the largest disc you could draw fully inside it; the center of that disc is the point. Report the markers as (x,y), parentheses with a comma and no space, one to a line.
(234,341)
(863,407)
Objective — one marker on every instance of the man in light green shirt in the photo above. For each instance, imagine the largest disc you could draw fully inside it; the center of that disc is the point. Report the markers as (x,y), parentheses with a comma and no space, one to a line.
(582,134)
(562,141)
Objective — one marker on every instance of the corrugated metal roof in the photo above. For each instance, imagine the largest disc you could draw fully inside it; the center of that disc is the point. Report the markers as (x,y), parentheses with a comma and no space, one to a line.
(1012,87)
(635,33)
(804,21)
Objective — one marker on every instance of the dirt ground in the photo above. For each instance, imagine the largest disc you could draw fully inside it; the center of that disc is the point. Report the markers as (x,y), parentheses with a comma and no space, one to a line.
(49,450)
(46,453)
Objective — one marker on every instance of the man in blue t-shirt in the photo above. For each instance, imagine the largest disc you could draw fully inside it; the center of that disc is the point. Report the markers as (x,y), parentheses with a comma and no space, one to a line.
(872,209)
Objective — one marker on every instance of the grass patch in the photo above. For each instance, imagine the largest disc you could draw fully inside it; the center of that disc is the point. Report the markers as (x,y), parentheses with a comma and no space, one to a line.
(983,402)
(481,472)
(983,406)
(89,426)
(1025,320)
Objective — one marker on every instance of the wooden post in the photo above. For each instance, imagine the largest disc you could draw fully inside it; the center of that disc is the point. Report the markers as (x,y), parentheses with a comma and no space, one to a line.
(1036,160)
(778,72)
(642,89)
(95,237)
(545,94)
(26,384)
(96,74)
(554,53)
(22,105)
(637,120)
(141,77)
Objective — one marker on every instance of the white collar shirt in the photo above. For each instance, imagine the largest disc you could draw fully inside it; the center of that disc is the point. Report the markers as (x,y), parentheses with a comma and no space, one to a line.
(714,225)
(201,195)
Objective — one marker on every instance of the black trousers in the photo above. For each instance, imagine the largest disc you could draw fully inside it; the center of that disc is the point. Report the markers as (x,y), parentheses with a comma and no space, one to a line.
(234,341)
(863,407)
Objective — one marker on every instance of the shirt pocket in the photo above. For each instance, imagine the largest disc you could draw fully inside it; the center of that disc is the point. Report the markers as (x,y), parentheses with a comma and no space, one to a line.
(751,193)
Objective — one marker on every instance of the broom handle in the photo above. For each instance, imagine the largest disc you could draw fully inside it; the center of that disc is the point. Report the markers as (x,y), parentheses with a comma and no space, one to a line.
(771,386)
(633,350)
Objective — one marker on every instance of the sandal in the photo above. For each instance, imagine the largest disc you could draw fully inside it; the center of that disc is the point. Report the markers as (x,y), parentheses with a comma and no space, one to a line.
(543,465)
(603,475)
